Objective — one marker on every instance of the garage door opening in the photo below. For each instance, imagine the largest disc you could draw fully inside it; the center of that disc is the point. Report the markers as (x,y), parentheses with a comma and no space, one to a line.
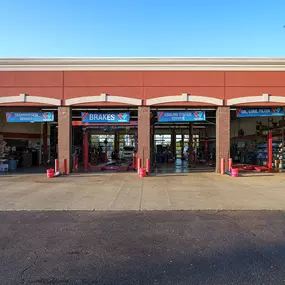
(104,139)
(183,140)
(257,139)
(28,139)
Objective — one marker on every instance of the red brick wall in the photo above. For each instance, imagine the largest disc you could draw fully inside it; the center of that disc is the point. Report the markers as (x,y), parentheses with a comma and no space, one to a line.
(144,134)
(41,83)
(64,137)
(222,137)
(142,84)
(254,83)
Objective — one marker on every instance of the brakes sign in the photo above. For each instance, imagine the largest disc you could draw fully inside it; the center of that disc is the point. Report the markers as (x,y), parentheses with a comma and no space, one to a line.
(105,117)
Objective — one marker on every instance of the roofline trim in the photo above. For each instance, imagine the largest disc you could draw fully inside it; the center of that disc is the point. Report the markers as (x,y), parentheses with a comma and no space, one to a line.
(143,64)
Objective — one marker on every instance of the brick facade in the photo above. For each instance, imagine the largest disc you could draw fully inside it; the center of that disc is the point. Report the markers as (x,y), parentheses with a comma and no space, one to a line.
(64,138)
(180,82)
(144,134)
(222,137)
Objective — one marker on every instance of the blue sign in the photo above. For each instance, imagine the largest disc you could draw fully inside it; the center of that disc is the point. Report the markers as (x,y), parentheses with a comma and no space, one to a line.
(259,112)
(181,116)
(29,117)
(105,117)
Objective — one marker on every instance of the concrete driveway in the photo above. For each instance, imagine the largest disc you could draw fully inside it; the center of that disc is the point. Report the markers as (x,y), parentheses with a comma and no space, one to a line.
(122,191)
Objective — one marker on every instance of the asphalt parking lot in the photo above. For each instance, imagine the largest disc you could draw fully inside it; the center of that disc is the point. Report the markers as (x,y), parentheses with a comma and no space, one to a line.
(106,229)
(142,247)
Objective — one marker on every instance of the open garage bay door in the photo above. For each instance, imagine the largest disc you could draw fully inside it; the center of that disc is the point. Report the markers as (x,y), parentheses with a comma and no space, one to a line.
(183,140)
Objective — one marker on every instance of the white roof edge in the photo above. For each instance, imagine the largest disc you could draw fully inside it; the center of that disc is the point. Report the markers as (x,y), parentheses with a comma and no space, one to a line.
(144,63)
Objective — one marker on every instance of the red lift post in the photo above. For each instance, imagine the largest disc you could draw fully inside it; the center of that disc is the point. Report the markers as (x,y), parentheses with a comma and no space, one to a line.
(85,149)
(206,149)
(270,150)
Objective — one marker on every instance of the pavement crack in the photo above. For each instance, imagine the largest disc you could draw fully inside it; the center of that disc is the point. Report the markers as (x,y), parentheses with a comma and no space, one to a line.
(76,200)
(113,201)
(28,267)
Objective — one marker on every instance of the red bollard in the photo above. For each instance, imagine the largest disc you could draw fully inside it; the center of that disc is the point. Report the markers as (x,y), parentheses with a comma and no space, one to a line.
(139,164)
(222,165)
(50,173)
(65,166)
(142,172)
(56,165)
(148,166)
(230,164)
(235,172)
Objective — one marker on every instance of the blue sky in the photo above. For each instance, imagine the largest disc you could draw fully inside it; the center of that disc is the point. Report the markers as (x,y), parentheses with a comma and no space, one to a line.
(104,28)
